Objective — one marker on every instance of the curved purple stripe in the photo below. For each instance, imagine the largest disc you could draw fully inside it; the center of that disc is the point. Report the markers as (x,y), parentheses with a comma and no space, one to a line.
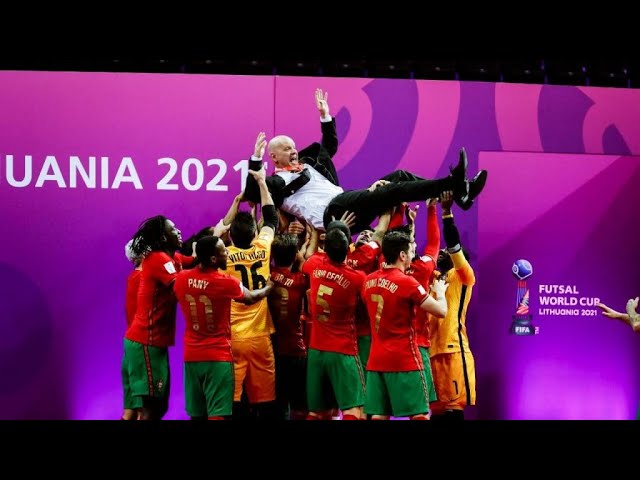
(613,142)
(343,122)
(561,114)
(477,130)
(393,120)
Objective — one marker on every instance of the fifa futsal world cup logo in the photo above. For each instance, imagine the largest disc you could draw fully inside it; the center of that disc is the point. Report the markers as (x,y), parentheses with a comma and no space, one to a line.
(521,324)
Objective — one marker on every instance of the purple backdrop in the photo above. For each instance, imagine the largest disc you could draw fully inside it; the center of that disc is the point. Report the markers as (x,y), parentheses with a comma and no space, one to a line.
(63,288)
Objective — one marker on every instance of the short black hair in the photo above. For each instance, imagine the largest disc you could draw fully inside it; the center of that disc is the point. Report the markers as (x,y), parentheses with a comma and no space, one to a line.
(394,243)
(336,245)
(206,248)
(243,229)
(402,228)
(187,245)
(340,225)
(284,249)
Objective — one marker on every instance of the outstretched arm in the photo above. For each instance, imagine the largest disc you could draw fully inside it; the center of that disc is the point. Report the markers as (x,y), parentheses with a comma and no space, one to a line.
(437,304)
(319,155)
(433,231)
(252,190)
(252,296)
(329,134)
(631,318)
(233,210)
(452,239)
(382,227)
(275,184)
(269,214)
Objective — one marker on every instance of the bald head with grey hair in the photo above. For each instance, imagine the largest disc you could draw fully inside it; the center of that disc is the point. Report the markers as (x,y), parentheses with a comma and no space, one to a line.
(282,151)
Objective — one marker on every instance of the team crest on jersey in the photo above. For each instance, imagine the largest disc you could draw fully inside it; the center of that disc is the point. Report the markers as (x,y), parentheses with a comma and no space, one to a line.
(159,385)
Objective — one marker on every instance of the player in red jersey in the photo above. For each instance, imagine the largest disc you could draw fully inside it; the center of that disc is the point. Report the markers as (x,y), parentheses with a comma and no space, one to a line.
(153,328)
(396,383)
(205,296)
(363,256)
(131,403)
(286,306)
(422,268)
(333,354)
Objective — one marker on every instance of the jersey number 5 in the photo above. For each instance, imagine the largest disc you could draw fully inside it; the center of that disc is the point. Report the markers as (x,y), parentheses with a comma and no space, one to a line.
(322,303)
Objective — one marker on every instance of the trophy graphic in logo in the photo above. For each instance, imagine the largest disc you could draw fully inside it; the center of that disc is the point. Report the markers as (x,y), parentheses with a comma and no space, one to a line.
(521,321)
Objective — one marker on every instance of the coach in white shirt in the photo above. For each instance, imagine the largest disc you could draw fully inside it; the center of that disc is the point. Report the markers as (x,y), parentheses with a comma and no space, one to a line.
(305,184)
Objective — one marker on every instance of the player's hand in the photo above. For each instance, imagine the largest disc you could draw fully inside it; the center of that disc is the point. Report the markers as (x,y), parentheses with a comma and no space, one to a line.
(607,311)
(261,143)
(439,287)
(296,228)
(321,102)
(348,218)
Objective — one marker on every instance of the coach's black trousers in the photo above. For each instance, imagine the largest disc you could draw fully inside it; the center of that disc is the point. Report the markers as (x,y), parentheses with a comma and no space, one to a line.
(404,187)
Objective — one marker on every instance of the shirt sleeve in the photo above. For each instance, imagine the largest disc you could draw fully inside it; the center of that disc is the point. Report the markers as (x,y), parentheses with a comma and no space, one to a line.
(184,260)
(265,238)
(161,268)
(234,288)
(416,292)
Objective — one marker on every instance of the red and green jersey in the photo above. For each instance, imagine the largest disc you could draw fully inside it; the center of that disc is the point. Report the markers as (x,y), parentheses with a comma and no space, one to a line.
(365,259)
(422,270)
(391,298)
(205,297)
(335,291)
(185,261)
(155,319)
(131,300)
(286,304)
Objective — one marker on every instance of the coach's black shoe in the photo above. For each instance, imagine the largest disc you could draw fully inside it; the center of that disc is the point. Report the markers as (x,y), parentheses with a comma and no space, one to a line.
(459,172)
(459,176)
(474,187)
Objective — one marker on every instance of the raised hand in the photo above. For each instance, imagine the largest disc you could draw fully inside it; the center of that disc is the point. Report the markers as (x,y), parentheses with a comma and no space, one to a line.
(632,305)
(446,200)
(439,287)
(261,144)
(296,228)
(348,218)
(412,213)
(321,102)
(219,230)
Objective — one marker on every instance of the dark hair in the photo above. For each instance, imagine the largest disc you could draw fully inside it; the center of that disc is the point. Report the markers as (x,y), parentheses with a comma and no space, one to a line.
(149,237)
(394,243)
(206,248)
(340,225)
(187,245)
(403,229)
(284,249)
(243,230)
(336,245)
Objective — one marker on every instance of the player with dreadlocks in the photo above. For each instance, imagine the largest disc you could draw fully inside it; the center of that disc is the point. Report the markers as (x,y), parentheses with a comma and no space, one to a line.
(153,328)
